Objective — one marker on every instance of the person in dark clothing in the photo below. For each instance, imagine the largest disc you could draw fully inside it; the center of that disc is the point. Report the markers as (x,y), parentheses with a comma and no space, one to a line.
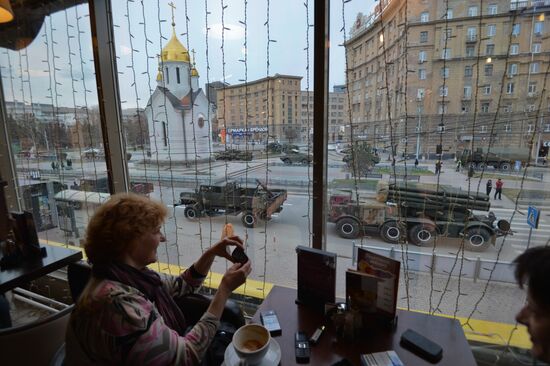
(533,270)
(438,167)
(416,163)
(498,189)
(489,187)
(470,172)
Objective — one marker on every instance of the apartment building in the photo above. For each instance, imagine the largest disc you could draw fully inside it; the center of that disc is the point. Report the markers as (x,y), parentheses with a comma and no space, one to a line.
(460,74)
(259,110)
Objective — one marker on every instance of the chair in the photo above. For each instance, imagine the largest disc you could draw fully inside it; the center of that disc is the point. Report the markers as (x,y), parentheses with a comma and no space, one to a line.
(35,343)
(192,305)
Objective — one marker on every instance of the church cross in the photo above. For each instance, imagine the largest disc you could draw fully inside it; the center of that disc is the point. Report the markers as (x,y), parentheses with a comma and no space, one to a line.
(193,52)
(173,6)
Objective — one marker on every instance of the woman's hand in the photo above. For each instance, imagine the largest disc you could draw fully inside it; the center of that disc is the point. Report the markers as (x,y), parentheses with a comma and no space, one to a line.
(220,249)
(235,276)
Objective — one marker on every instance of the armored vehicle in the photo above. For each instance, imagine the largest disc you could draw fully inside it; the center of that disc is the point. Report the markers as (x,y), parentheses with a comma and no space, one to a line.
(296,157)
(278,148)
(503,160)
(233,154)
(398,212)
(254,203)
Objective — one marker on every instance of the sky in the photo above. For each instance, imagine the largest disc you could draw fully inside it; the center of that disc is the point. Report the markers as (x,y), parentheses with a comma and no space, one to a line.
(51,67)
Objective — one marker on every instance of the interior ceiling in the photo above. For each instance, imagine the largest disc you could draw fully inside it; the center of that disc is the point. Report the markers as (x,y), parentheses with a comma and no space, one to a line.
(28,19)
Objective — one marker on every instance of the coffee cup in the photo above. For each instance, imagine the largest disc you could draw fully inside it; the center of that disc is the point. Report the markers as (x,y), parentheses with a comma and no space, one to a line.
(251,343)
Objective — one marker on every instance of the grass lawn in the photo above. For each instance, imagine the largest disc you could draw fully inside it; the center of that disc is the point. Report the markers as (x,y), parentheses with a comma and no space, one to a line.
(401,170)
(531,194)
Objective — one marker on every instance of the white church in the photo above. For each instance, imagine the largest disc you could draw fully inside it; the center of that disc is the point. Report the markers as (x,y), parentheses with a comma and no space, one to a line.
(178,111)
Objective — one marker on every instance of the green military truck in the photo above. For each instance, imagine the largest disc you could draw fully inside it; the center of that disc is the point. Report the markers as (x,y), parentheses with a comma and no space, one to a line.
(400,212)
(233,154)
(500,159)
(232,199)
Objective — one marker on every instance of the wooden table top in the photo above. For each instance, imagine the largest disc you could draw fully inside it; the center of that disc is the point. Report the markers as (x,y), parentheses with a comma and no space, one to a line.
(445,331)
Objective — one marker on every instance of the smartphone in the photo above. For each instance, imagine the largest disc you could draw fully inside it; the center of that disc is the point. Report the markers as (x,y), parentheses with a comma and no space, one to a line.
(302,350)
(271,322)
(421,346)
(239,256)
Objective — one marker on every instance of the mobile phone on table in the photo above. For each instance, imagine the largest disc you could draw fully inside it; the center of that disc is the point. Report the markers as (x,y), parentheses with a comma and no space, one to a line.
(239,256)
(271,322)
(301,348)
(421,346)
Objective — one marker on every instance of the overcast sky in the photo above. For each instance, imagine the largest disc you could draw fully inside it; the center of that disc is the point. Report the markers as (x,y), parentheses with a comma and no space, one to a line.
(51,72)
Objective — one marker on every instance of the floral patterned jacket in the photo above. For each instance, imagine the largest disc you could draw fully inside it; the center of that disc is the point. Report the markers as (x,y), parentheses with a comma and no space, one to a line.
(116,324)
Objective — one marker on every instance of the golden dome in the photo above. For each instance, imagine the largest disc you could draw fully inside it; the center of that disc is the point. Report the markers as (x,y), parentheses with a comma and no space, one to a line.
(194,72)
(159,76)
(174,50)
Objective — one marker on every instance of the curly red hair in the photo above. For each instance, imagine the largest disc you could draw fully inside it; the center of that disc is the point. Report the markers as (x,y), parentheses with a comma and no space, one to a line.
(118,223)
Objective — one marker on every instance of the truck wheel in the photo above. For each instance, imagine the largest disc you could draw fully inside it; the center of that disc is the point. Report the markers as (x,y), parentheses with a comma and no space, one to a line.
(472,164)
(477,239)
(191,213)
(248,219)
(348,228)
(422,234)
(505,166)
(481,166)
(287,161)
(391,232)
(305,162)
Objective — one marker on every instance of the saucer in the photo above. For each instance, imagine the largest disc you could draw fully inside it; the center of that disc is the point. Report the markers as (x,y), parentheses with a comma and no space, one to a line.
(271,358)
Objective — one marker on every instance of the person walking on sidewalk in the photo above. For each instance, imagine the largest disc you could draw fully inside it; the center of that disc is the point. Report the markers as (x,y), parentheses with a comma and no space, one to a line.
(458,165)
(498,190)
(489,187)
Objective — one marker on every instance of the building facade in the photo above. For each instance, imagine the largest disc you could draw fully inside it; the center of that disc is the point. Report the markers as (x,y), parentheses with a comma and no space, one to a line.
(260,110)
(459,74)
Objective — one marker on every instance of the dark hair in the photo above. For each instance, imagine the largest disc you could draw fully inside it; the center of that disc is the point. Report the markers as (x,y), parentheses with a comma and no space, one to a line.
(533,269)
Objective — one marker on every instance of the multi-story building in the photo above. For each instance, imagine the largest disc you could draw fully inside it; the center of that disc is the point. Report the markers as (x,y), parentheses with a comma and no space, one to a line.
(460,74)
(263,109)
(338,115)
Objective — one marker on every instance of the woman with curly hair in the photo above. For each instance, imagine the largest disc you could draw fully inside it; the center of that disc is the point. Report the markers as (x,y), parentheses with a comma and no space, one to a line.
(127,313)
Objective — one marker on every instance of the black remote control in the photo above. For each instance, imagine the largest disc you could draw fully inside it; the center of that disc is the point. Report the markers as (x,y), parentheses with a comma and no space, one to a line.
(302,348)
(421,346)
(271,322)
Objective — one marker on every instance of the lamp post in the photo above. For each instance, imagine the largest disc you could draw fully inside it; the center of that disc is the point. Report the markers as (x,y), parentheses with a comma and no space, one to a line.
(418,128)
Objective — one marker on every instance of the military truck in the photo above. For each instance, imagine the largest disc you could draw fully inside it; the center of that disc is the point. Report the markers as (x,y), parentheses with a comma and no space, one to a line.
(503,160)
(398,212)
(231,199)
(233,154)
(296,157)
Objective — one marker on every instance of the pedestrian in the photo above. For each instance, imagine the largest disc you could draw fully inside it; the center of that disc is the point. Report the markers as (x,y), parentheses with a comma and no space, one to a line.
(458,165)
(498,189)
(533,270)
(470,172)
(416,163)
(438,167)
(489,187)
(53,165)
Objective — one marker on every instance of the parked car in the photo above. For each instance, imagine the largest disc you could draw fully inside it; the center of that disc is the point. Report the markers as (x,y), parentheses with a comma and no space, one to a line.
(296,157)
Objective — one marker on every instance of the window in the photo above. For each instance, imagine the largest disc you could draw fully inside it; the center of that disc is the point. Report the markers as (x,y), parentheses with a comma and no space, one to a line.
(488,70)
(512,69)
(467,92)
(489,49)
(472,34)
(547,127)
(465,108)
(422,56)
(443,91)
(486,89)
(491,30)
(485,107)
(446,53)
(178,75)
(167,76)
(516,29)
(532,88)
(534,67)
(507,109)
(538,28)
(514,49)
(420,93)
(529,127)
(468,71)
(449,13)
(441,109)
(422,74)
(472,11)
(536,48)
(423,36)
(425,17)
(483,129)
(508,128)
(492,9)
(164,134)
(470,51)
(530,108)
(510,88)
(444,72)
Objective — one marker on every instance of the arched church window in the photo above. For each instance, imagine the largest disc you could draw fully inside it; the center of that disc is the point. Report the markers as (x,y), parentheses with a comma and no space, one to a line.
(164,134)
(201,122)
(167,77)
(178,75)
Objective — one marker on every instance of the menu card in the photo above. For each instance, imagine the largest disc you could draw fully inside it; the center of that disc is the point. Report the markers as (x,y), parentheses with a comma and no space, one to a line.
(316,277)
